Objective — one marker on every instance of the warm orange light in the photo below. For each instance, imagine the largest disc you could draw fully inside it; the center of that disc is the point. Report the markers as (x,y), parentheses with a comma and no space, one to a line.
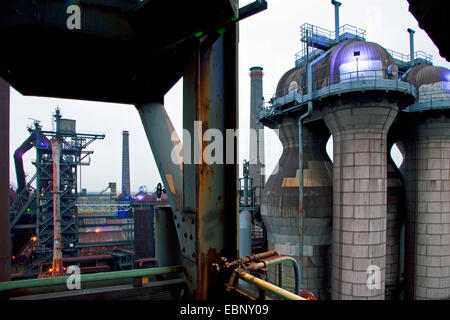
(97,229)
(50,270)
(33,238)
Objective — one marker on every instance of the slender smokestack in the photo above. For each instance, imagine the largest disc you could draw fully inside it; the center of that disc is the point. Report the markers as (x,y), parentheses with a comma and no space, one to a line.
(411,44)
(256,168)
(57,267)
(336,17)
(125,164)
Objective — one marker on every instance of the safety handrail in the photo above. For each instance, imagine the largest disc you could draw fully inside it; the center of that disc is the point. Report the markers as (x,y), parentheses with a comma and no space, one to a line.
(370,78)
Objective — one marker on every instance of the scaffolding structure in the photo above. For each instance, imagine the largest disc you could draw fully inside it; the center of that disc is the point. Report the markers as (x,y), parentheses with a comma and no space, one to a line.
(33,211)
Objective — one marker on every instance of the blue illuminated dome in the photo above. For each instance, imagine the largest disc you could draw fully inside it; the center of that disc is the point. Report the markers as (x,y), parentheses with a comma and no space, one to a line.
(431,75)
(359,60)
(432,82)
(348,61)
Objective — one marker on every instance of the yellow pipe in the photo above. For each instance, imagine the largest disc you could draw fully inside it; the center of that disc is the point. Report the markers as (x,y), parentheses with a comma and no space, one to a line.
(279,292)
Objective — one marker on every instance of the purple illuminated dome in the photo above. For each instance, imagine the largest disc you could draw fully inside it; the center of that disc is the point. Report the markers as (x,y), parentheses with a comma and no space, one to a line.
(349,60)
(432,82)
(427,74)
(355,59)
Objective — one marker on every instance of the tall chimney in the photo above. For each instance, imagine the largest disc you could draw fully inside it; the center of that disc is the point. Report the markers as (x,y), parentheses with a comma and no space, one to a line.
(411,45)
(126,164)
(57,266)
(256,167)
(336,17)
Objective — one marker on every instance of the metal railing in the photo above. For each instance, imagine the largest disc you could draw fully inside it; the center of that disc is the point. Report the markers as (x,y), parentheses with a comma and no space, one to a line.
(315,34)
(430,101)
(406,58)
(348,29)
(372,79)
(433,96)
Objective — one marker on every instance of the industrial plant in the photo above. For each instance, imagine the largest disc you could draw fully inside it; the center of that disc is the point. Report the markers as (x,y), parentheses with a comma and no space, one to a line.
(354,226)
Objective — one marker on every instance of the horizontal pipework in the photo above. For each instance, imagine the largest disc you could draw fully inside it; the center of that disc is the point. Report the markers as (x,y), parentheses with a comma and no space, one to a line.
(266,286)
(36,283)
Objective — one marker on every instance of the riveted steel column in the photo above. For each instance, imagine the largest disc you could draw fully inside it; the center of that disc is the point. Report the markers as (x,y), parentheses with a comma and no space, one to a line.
(165,144)
(209,221)
(163,140)
(5,262)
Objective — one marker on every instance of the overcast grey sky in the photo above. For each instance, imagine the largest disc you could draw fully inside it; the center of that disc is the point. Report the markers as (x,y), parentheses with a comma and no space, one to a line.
(269,39)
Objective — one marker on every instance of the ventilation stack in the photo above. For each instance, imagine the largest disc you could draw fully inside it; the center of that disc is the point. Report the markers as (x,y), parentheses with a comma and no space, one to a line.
(256,132)
(125,164)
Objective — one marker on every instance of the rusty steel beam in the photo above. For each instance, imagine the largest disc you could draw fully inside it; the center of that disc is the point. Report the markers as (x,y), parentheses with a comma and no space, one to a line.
(5,254)
(210,215)
(163,138)
(117,33)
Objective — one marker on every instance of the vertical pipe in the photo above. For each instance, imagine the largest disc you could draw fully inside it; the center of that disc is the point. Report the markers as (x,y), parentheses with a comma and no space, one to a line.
(5,259)
(246,184)
(57,239)
(411,45)
(245,228)
(126,164)
(336,18)
(245,236)
(280,275)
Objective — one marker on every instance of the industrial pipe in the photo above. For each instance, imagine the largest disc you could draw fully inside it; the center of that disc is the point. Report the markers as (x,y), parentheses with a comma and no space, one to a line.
(82,259)
(411,45)
(251,258)
(245,233)
(94,269)
(336,18)
(300,155)
(126,187)
(140,262)
(130,252)
(264,285)
(35,283)
(269,262)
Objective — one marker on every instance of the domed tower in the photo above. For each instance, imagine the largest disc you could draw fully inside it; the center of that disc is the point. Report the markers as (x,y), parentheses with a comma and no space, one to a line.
(426,146)
(352,90)
(280,200)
